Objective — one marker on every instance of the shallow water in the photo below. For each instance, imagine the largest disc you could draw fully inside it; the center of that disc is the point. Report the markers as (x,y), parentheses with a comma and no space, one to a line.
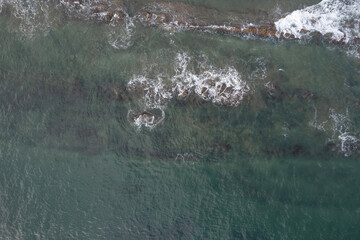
(279,160)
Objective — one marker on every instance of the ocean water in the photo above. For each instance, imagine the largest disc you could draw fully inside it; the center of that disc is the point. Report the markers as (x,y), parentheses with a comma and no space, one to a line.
(121,130)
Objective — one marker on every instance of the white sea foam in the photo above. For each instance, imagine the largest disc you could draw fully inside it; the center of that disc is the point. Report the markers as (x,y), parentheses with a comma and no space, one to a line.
(340,18)
(119,34)
(147,120)
(340,126)
(185,157)
(220,86)
(260,72)
(156,92)
(348,144)
(223,86)
(84,9)
(340,122)
(315,123)
(354,51)
(121,37)
(30,15)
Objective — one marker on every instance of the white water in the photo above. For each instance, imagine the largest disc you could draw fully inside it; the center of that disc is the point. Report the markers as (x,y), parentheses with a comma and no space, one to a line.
(340,126)
(223,86)
(148,122)
(339,18)
(120,36)
(30,15)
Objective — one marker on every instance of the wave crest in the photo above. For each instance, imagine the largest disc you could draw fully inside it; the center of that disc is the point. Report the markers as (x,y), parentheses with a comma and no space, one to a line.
(220,86)
(337,19)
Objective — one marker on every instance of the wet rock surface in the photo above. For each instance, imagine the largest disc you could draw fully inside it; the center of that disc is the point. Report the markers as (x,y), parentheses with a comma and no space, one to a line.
(209,89)
(99,10)
(148,118)
(174,16)
(182,16)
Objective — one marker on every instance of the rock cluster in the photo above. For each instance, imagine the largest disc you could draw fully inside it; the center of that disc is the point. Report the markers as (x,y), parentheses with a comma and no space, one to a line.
(182,16)
(173,23)
(108,13)
(223,94)
(100,11)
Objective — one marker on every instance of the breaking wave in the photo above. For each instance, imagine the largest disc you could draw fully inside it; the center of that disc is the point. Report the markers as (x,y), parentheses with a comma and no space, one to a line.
(223,86)
(337,19)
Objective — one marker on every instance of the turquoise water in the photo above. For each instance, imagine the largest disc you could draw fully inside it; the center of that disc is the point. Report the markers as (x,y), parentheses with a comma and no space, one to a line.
(282,164)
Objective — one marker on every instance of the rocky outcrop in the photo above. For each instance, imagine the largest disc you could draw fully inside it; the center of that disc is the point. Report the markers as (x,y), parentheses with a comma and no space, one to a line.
(181,16)
(100,11)
(108,13)
(145,118)
(186,21)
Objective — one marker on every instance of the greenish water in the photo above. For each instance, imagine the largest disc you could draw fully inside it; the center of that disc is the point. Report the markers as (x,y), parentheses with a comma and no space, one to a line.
(283,164)
(231,5)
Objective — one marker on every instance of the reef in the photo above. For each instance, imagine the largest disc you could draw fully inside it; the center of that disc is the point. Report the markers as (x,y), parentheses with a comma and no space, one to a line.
(175,16)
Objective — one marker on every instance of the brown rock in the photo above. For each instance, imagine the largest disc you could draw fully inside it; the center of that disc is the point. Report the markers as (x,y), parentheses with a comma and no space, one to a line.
(223,87)
(203,89)
(185,93)
(223,30)
(339,42)
(119,15)
(181,24)
(304,31)
(100,6)
(288,35)
(356,41)
(229,90)
(97,8)
(162,18)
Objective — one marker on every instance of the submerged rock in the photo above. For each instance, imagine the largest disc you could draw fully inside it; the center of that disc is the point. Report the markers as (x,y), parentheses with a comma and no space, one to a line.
(146,118)
(182,16)
(100,11)
(112,92)
(275,92)
(297,150)
(174,16)
(108,13)
(221,147)
(331,147)
(304,94)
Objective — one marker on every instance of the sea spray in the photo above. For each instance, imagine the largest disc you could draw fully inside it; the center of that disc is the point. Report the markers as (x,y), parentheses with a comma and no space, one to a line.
(340,19)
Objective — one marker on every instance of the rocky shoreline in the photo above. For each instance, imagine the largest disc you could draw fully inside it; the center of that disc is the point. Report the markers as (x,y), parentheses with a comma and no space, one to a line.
(176,16)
